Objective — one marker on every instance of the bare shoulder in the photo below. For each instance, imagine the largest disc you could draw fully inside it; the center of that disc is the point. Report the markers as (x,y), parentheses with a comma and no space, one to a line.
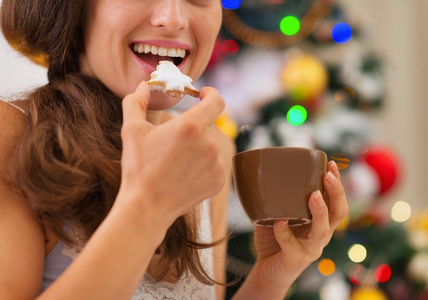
(22,256)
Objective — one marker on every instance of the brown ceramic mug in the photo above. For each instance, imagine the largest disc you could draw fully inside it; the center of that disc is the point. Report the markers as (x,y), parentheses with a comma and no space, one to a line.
(276,183)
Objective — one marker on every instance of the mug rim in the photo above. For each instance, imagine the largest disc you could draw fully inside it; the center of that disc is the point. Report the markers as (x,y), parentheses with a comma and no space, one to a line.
(279,148)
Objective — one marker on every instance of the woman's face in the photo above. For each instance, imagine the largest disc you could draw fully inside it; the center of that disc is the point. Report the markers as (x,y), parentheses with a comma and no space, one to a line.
(116,31)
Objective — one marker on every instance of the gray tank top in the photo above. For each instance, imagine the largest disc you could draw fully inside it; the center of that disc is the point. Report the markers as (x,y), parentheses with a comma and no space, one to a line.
(187,288)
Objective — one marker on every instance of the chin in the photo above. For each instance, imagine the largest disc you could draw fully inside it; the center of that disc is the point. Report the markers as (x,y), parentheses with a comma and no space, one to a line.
(160,101)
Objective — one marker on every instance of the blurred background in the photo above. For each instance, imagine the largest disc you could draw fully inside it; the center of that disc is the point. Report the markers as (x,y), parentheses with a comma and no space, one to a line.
(344,76)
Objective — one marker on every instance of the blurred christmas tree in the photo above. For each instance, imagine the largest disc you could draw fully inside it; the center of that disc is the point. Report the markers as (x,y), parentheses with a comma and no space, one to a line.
(299,73)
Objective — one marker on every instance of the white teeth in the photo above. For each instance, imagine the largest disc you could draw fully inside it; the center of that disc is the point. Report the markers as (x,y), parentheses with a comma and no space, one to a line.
(161,51)
(181,53)
(172,52)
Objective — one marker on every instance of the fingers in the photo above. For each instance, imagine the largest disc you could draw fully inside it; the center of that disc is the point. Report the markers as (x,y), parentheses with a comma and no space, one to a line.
(285,236)
(320,229)
(336,193)
(208,110)
(135,106)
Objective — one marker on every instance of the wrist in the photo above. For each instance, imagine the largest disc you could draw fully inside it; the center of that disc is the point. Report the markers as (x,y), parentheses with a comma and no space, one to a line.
(141,216)
(257,286)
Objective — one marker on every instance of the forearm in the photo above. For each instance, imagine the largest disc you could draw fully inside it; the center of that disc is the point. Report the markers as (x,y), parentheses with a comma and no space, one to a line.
(114,259)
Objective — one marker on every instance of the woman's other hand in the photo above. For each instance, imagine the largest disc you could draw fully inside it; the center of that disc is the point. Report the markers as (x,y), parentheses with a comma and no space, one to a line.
(283,252)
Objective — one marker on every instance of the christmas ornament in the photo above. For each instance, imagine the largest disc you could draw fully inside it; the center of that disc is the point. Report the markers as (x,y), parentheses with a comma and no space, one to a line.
(386,164)
(368,293)
(304,77)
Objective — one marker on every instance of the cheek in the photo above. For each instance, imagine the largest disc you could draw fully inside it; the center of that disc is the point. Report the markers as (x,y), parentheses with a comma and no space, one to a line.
(207,35)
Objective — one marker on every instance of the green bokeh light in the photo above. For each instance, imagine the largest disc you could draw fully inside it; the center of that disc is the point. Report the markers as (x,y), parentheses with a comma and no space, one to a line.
(297,115)
(289,25)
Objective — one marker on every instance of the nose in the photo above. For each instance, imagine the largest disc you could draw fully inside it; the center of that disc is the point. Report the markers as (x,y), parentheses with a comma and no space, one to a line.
(169,15)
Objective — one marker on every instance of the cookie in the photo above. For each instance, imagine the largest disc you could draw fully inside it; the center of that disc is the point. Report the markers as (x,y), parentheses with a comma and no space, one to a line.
(168,79)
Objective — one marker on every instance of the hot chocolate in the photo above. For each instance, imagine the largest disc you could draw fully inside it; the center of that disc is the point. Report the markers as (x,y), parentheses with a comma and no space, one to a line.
(276,183)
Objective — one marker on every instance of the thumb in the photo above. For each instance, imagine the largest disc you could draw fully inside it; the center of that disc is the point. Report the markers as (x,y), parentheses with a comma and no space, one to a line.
(135,105)
(285,236)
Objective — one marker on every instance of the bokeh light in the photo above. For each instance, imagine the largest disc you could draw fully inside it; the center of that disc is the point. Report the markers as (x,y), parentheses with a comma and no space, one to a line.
(297,115)
(326,267)
(357,253)
(229,48)
(383,273)
(341,33)
(231,4)
(401,211)
(289,25)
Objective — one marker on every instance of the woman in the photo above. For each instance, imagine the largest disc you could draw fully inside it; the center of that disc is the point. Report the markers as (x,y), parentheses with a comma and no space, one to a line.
(103,192)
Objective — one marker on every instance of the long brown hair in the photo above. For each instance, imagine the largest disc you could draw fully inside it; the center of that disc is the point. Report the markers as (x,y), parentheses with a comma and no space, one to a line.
(67,163)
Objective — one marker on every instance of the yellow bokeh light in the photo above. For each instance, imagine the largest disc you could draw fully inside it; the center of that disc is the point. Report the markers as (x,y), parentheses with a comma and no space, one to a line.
(368,293)
(401,211)
(227,125)
(326,267)
(357,253)
(344,224)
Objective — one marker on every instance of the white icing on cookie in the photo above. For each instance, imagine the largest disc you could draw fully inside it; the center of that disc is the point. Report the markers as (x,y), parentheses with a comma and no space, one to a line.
(168,78)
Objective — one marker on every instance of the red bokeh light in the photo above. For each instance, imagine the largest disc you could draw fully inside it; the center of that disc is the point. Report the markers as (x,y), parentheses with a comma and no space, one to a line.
(383,273)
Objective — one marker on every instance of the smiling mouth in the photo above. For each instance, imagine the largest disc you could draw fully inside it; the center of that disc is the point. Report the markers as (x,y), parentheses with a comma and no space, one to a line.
(153,54)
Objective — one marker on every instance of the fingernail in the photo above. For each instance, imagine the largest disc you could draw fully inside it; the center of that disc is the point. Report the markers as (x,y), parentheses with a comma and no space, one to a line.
(281,223)
(333,167)
(331,179)
(318,199)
